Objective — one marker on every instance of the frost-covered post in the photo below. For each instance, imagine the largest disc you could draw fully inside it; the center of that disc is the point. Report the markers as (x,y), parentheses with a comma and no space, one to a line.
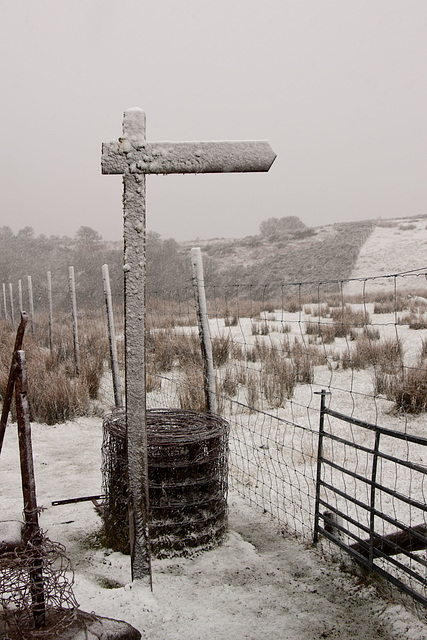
(4,301)
(20,302)
(49,295)
(134,290)
(134,157)
(72,285)
(12,311)
(31,302)
(204,330)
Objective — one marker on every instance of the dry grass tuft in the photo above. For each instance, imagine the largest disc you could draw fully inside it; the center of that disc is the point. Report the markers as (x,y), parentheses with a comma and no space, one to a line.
(191,390)
(55,392)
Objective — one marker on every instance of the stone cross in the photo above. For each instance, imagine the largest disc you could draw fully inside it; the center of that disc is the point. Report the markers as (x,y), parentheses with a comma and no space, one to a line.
(134,157)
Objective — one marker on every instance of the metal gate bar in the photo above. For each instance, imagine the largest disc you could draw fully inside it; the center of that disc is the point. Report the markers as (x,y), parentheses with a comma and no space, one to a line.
(346,516)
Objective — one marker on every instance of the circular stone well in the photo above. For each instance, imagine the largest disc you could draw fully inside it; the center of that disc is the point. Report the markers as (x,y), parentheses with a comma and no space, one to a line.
(187,471)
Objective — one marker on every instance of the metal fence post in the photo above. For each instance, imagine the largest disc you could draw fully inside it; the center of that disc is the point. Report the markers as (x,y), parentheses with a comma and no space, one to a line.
(112,339)
(372,505)
(319,465)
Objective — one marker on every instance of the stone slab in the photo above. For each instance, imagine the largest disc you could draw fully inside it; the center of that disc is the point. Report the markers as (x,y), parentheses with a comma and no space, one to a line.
(86,626)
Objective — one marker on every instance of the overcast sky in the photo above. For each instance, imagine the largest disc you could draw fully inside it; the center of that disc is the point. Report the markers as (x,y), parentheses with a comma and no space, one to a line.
(338,87)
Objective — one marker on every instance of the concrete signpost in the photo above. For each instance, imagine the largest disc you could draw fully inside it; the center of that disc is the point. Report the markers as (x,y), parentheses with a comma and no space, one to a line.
(134,157)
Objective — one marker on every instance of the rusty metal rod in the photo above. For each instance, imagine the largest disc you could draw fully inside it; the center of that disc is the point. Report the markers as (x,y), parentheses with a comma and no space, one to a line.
(56,503)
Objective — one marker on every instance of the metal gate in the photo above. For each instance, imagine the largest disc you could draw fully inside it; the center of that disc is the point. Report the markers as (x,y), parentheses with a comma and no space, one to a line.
(371,492)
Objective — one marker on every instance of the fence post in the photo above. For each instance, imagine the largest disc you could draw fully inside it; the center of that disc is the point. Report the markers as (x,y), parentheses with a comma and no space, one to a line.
(319,465)
(74,318)
(373,493)
(33,534)
(4,301)
(21,308)
(8,394)
(112,339)
(204,332)
(49,295)
(12,314)
(31,303)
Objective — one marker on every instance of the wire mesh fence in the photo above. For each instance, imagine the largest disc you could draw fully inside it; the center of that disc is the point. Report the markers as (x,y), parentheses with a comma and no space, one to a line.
(275,346)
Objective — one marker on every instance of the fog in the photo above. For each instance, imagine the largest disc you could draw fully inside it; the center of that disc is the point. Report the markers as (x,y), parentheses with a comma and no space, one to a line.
(337,87)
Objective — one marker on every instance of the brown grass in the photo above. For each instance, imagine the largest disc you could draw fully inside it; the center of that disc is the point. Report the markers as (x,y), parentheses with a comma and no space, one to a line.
(409,390)
(415,320)
(55,392)
(191,389)
(349,317)
(221,349)
(386,355)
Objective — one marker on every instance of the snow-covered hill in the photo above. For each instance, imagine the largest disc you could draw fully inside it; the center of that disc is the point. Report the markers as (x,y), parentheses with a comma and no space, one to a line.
(394,246)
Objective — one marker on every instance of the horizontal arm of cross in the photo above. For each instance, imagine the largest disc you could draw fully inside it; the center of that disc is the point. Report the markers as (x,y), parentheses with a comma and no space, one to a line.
(126,156)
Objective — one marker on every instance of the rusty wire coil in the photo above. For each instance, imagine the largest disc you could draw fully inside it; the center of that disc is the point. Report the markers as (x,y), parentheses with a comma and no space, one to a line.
(17,600)
(187,468)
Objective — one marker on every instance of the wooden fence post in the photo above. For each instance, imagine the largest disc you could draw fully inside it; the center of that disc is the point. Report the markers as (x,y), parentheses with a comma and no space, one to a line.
(112,339)
(20,303)
(8,394)
(33,535)
(49,294)
(204,331)
(4,301)
(12,314)
(31,303)
(74,318)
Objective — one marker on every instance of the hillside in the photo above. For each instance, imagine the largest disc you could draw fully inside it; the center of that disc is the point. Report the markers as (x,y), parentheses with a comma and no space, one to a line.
(394,246)
(328,252)
(285,251)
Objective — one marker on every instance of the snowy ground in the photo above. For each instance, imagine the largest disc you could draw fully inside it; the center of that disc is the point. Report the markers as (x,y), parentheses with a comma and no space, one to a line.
(390,250)
(258,584)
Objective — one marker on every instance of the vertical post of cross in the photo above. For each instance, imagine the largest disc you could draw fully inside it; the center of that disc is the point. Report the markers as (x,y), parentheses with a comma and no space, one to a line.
(134,266)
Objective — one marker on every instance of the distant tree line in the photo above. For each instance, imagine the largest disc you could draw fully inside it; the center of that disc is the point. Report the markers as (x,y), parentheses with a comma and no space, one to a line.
(24,254)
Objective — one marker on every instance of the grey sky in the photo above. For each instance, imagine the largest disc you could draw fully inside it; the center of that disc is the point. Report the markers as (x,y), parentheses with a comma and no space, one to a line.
(337,86)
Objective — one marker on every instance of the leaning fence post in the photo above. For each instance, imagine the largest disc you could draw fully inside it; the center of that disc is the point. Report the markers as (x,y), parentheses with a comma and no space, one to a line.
(8,394)
(112,338)
(49,294)
(204,332)
(33,535)
(74,317)
(31,303)
(12,315)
